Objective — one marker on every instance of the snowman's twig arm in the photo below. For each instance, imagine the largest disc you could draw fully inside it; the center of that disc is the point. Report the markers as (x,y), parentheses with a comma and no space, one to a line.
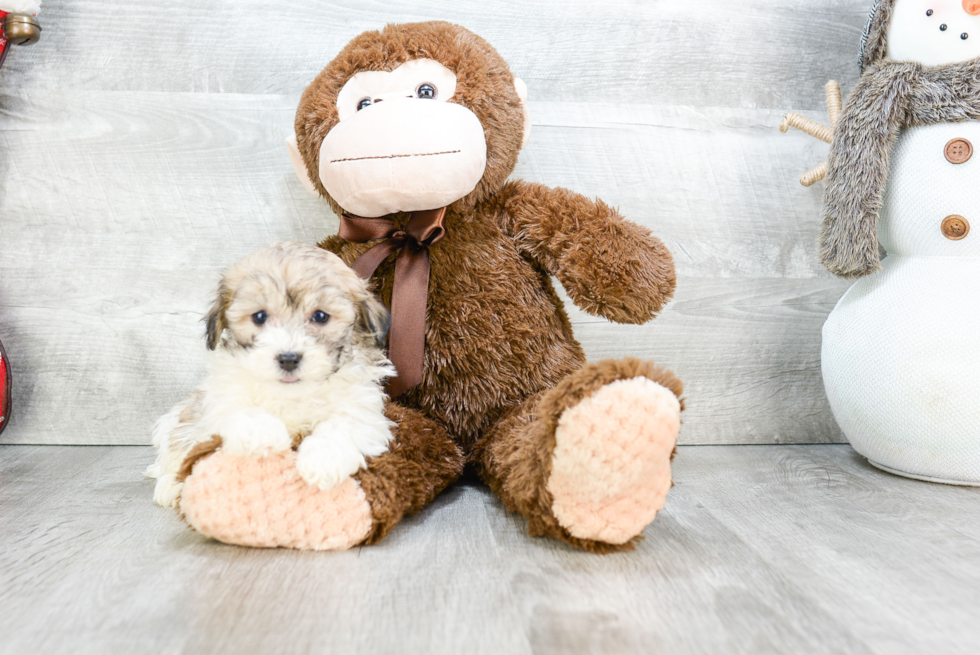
(804,124)
(834,102)
(813,128)
(814,175)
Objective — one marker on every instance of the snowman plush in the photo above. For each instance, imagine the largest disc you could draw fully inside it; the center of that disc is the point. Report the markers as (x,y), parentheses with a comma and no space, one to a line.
(901,350)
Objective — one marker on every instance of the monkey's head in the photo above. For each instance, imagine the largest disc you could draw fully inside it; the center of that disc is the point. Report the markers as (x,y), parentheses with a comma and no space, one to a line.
(413,117)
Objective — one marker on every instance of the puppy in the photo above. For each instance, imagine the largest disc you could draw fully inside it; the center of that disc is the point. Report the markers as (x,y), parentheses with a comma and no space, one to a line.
(297,341)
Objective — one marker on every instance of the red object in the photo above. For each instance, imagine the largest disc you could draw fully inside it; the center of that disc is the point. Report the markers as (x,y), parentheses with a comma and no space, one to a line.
(3,48)
(4,389)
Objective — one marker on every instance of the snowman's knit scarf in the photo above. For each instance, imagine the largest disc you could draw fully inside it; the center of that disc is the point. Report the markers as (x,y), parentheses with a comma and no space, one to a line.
(889,97)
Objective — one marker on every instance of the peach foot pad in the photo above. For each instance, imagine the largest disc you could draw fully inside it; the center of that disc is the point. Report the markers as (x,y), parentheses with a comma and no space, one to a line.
(610,472)
(264,503)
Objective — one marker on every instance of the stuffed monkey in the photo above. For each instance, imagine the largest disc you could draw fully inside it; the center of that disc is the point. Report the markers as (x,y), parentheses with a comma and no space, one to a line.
(424,116)
(410,134)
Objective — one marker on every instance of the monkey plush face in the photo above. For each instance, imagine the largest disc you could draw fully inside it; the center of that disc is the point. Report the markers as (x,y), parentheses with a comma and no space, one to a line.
(934,32)
(400,144)
(413,117)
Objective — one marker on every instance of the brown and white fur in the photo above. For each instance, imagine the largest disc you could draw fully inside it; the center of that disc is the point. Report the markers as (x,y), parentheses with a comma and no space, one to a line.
(280,374)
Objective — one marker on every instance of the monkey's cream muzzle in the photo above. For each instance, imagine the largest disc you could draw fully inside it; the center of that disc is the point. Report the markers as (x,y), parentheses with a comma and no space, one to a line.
(402,155)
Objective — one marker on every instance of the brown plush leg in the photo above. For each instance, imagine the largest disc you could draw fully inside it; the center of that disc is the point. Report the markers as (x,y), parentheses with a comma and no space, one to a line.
(422,461)
(578,461)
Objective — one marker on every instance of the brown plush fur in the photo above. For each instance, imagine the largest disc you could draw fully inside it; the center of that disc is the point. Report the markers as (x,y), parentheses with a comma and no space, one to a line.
(889,97)
(501,362)
(496,330)
(421,462)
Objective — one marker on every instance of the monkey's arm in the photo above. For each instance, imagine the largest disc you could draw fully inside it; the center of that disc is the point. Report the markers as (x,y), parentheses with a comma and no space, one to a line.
(609,266)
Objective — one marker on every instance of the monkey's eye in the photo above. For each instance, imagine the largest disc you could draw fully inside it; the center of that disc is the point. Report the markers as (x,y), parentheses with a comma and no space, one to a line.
(260,317)
(320,317)
(362,103)
(426,91)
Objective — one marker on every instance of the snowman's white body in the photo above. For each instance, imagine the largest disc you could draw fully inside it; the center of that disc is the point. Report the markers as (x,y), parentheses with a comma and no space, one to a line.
(901,350)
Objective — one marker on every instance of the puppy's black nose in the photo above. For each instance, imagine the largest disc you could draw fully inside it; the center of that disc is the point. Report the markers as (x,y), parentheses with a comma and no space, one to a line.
(289,361)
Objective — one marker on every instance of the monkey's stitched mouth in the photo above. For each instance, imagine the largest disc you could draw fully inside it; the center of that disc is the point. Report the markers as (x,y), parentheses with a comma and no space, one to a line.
(421,154)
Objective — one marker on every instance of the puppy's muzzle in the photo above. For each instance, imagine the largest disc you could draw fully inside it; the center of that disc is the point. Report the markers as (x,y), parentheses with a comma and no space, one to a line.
(289,361)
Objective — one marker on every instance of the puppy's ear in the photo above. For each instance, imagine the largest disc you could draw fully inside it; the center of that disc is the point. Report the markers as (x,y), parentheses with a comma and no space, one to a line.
(373,319)
(216,321)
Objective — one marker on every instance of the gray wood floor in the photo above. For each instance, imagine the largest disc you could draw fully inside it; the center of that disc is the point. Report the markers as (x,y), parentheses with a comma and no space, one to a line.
(761,549)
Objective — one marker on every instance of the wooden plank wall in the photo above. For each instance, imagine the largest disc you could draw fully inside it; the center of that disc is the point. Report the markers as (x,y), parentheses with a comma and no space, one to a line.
(141,151)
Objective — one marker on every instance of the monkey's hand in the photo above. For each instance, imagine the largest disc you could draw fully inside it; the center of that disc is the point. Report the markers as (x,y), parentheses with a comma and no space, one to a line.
(609,266)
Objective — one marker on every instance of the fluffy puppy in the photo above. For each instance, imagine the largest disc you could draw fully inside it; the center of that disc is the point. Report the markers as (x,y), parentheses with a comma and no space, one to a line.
(296,339)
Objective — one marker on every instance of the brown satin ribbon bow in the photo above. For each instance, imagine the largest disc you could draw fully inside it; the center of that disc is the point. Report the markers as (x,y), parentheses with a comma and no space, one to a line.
(406,340)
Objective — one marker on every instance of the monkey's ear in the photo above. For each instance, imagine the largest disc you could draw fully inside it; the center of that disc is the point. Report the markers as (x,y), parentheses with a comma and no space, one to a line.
(373,319)
(522,94)
(216,320)
(299,165)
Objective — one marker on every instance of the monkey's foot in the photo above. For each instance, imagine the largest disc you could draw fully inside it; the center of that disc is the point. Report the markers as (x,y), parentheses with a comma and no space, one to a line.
(265,503)
(610,470)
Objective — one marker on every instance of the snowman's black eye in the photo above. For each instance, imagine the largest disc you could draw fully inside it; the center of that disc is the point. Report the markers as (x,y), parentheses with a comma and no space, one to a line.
(426,91)
(929,13)
(362,103)
(942,27)
(964,36)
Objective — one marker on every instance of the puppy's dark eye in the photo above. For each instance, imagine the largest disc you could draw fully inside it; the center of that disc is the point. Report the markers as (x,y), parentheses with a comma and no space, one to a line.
(426,91)
(320,317)
(260,317)
(362,103)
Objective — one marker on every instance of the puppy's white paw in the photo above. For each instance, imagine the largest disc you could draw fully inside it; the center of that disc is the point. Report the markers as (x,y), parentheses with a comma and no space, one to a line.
(325,462)
(254,433)
(167,490)
(154,470)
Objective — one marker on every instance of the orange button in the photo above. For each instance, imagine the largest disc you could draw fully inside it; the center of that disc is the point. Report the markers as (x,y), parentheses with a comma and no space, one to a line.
(955,227)
(959,151)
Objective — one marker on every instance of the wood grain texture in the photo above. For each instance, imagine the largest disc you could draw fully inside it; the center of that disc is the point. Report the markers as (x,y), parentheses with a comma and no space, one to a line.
(771,549)
(137,159)
(753,53)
